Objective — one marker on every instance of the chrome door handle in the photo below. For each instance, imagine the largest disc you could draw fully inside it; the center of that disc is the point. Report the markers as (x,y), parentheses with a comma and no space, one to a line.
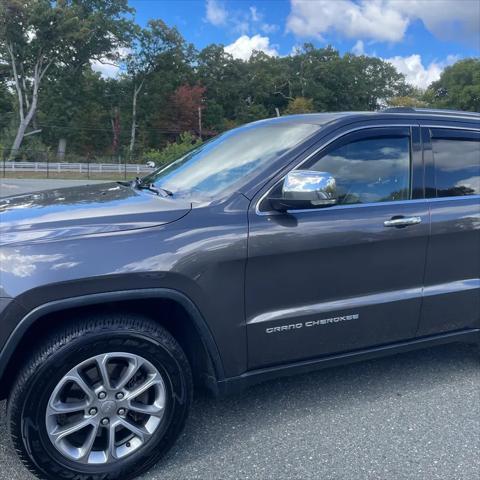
(402,222)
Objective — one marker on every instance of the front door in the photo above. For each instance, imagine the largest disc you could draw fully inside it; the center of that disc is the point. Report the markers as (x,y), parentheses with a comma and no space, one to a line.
(344,277)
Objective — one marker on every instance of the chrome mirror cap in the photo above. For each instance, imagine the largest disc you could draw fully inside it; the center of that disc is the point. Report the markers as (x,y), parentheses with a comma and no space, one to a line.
(318,188)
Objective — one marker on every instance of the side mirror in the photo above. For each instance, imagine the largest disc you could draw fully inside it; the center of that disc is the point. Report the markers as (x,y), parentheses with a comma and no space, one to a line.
(306,189)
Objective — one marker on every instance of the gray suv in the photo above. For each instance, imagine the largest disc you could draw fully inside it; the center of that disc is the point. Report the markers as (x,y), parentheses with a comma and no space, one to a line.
(279,247)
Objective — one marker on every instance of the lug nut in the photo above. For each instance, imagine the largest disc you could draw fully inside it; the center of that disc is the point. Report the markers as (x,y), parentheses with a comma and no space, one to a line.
(105,421)
(92,411)
(119,396)
(102,395)
(122,411)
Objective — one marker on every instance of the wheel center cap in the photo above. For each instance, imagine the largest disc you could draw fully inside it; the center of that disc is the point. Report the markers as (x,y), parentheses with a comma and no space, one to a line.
(109,407)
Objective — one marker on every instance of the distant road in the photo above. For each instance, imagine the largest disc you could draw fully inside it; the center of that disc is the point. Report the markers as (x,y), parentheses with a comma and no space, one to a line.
(18,186)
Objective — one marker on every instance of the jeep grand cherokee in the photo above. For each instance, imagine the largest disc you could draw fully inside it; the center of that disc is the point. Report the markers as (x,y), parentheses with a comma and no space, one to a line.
(278,247)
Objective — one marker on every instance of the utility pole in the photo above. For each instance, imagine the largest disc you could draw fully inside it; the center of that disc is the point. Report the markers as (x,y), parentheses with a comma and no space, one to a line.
(116,132)
(200,122)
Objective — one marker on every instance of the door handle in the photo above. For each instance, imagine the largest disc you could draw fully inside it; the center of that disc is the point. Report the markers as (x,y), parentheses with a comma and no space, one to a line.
(402,221)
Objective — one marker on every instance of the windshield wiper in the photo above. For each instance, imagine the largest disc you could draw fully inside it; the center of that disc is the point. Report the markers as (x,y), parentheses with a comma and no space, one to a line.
(150,187)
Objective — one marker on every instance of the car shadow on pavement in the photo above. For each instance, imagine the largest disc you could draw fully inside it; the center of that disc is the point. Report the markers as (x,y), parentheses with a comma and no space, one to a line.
(224,424)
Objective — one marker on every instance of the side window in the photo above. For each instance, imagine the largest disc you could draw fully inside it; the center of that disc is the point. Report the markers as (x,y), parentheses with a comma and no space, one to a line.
(457,166)
(375,169)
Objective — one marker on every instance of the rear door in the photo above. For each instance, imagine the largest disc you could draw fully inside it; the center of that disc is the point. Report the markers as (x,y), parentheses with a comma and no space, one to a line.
(452,276)
(340,278)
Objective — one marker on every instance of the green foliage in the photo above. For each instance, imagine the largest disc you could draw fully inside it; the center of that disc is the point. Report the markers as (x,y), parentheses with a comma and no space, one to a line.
(174,80)
(407,101)
(250,113)
(49,44)
(6,106)
(299,105)
(458,87)
(67,34)
(213,116)
(172,151)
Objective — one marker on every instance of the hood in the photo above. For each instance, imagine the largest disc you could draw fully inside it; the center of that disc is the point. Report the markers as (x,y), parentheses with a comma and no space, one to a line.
(85,210)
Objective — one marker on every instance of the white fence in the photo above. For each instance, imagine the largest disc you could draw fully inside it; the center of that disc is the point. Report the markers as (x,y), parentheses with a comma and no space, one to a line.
(82,168)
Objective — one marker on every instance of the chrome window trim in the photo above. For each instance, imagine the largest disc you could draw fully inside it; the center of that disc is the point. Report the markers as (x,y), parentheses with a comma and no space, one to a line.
(471,116)
(321,147)
(472,129)
(346,132)
(456,198)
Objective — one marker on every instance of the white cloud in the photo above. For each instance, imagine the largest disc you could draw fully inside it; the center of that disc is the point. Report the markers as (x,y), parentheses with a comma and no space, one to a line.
(239,21)
(241,26)
(368,19)
(269,28)
(385,20)
(416,73)
(106,70)
(243,47)
(256,17)
(473,183)
(446,19)
(358,48)
(109,68)
(216,13)
(296,50)
(31,34)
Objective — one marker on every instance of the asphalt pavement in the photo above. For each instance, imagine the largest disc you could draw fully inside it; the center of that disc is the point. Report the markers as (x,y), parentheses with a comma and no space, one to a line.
(10,186)
(413,416)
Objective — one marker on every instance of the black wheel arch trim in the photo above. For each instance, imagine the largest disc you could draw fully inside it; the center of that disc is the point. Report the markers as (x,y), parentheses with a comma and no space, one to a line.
(105,297)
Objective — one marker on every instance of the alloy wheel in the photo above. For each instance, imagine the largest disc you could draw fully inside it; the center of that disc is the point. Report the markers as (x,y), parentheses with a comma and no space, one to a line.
(106,408)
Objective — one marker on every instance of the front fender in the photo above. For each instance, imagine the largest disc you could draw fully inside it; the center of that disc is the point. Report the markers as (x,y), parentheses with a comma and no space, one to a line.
(202,256)
(39,312)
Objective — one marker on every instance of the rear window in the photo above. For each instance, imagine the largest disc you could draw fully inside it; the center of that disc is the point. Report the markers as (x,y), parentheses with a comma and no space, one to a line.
(457,166)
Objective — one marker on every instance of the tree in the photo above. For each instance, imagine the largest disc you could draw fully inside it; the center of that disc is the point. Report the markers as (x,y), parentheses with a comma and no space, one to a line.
(249,112)
(299,105)
(187,103)
(458,87)
(157,48)
(40,37)
(164,81)
(223,77)
(407,101)
(6,107)
(173,150)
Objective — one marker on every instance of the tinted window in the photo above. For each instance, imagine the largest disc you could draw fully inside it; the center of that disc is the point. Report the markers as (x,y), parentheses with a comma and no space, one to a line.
(370,170)
(457,166)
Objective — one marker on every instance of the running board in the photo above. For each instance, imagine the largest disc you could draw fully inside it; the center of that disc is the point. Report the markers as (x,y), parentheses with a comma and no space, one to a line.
(252,377)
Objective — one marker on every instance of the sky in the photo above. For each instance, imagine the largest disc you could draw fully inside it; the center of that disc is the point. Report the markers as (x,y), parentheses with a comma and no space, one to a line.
(419,37)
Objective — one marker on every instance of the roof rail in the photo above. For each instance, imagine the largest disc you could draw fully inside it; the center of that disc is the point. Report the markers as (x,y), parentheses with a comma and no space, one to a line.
(430,111)
(398,110)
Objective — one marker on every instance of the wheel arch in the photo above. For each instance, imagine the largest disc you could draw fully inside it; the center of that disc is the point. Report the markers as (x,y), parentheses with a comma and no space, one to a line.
(186,324)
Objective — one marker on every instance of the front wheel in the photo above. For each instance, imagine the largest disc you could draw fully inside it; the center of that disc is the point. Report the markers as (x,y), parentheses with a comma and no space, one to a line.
(103,399)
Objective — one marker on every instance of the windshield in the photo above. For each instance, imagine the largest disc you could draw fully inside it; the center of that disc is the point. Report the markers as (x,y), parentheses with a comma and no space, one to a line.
(225,161)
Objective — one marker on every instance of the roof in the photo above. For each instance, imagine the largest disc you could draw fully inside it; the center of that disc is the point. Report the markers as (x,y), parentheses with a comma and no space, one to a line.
(432,111)
(324,118)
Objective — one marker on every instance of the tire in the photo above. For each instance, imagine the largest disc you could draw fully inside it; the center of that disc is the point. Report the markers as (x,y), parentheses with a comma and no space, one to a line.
(121,343)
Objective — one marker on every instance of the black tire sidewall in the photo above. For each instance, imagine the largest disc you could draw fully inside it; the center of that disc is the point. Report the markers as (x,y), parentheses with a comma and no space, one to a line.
(38,388)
